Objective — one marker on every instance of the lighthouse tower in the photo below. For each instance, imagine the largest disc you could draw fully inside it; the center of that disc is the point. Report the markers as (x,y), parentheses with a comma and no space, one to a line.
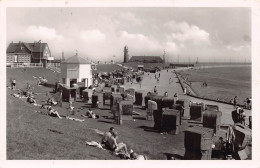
(164,53)
(126,56)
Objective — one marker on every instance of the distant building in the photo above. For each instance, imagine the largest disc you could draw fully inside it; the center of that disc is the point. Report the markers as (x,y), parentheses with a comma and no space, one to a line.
(126,56)
(146,59)
(21,52)
(77,70)
(181,65)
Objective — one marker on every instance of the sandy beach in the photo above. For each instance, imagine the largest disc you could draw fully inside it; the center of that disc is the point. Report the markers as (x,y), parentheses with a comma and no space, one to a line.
(173,87)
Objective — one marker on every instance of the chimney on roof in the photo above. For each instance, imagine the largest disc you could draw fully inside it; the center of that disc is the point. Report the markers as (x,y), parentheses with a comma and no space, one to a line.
(35,43)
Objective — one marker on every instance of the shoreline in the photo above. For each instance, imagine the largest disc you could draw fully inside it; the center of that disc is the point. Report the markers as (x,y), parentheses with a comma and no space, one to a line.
(211,66)
(193,93)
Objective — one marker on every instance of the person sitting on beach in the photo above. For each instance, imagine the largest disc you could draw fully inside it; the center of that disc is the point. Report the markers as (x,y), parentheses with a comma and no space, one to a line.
(219,148)
(231,101)
(51,101)
(53,113)
(117,147)
(31,100)
(242,117)
(166,94)
(106,136)
(38,82)
(90,114)
(135,156)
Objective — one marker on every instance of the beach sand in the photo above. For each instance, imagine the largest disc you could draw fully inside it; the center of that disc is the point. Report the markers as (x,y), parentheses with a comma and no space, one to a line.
(149,82)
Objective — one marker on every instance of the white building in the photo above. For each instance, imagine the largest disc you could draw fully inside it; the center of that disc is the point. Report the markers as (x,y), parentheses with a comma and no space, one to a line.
(77,69)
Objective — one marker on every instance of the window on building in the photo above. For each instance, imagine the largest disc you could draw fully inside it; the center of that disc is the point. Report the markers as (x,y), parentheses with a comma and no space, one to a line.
(15,58)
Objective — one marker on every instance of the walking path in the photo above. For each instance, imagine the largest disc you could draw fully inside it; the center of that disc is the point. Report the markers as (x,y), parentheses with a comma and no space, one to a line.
(149,82)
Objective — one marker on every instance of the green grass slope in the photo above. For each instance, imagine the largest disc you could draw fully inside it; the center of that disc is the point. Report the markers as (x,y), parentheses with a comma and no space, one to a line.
(32,135)
(25,75)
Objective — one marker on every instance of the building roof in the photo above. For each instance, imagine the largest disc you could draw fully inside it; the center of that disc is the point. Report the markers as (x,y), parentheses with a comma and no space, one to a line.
(36,47)
(146,59)
(76,60)
(30,47)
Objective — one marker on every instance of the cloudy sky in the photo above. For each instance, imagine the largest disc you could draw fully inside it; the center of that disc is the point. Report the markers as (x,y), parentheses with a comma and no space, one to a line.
(211,34)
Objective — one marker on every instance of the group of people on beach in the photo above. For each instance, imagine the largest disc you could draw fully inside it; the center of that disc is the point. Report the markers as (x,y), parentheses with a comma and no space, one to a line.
(204,84)
(239,116)
(247,102)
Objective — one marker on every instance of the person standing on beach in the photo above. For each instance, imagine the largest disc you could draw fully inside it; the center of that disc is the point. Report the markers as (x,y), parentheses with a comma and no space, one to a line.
(235,101)
(13,84)
(176,96)
(185,91)
(155,89)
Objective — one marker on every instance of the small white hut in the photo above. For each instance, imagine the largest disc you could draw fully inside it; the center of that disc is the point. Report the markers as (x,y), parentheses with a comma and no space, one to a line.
(77,69)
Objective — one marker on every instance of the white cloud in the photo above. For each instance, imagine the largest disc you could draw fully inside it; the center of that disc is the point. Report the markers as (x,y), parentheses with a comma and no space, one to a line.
(171,47)
(130,18)
(183,32)
(140,44)
(92,35)
(236,47)
(43,33)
